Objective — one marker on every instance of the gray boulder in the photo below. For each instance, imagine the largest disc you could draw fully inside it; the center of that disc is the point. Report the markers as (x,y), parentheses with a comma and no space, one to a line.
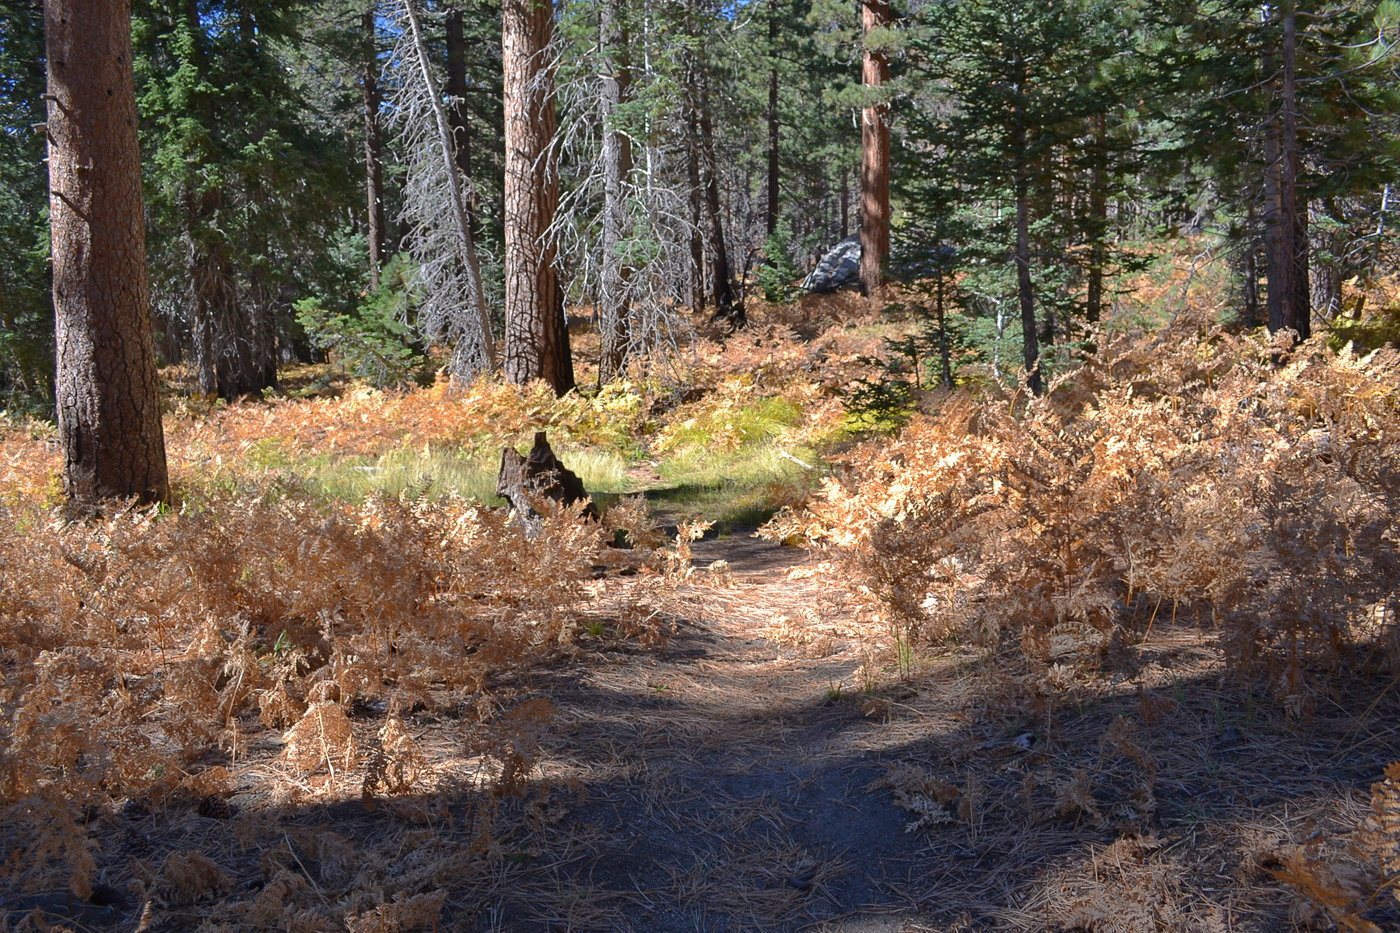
(840,266)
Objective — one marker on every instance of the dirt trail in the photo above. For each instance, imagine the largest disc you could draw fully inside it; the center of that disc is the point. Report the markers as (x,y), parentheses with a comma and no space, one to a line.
(723,782)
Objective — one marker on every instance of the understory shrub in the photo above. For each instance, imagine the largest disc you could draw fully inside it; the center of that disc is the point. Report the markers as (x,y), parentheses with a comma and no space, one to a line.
(1244,486)
(142,653)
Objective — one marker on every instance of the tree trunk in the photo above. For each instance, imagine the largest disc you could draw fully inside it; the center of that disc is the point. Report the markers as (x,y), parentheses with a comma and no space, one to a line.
(1025,288)
(537,342)
(875,156)
(1286,224)
(107,397)
(945,357)
(1098,221)
(697,237)
(721,282)
(770,219)
(528,482)
(377,230)
(234,349)
(1325,268)
(845,204)
(457,115)
(457,183)
(617,166)
(1249,316)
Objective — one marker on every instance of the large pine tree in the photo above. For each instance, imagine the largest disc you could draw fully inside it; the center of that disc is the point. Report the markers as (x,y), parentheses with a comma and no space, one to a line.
(537,342)
(108,404)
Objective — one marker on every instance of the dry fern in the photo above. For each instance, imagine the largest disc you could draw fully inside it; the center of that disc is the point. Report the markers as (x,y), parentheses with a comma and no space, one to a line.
(1182,478)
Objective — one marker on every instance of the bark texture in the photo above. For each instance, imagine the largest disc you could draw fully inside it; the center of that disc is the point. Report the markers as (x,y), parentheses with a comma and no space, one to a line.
(526,482)
(108,403)
(1286,222)
(875,156)
(613,311)
(537,342)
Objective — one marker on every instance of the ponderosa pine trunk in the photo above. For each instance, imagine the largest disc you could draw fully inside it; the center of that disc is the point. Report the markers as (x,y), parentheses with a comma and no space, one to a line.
(875,155)
(1286,222)
(537,341)
(106,390)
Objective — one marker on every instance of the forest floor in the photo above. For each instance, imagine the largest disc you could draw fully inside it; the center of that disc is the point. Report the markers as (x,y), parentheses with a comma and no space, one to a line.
(773,763)
(710,737)
(775,767)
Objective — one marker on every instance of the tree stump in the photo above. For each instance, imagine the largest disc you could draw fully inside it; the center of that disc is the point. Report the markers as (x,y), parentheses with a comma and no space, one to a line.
(525,481)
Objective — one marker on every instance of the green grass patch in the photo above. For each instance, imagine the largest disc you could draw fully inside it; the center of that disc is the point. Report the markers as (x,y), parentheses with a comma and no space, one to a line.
(734,488)
(413,472)
(471,474)
(730,461)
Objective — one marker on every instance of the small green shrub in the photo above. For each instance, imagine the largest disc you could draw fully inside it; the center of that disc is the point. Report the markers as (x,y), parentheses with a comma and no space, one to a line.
(775,277)
(374,342)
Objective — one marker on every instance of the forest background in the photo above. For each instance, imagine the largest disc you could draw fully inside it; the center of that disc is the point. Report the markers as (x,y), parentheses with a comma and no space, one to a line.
(706,152)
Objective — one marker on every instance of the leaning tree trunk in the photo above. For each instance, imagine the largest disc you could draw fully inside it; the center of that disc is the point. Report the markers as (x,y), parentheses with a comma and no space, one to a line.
(1286,237)
(436,201)
(537,341)
(107,398)
(875,156)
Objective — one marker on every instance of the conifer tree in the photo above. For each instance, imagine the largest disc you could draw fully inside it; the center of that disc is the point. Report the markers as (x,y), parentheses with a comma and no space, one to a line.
(1006,89)
(1293,112)
(241,182)
(109,418)
(26,311)
(537,340)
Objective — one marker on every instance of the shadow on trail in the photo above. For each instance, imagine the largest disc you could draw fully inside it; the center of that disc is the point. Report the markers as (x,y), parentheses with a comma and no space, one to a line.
(713,812)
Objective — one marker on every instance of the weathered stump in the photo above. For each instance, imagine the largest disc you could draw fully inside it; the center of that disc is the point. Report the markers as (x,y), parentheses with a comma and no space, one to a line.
(525,481)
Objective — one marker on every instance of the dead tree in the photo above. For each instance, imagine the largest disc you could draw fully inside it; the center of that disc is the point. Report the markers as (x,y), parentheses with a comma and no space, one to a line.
(453,308)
